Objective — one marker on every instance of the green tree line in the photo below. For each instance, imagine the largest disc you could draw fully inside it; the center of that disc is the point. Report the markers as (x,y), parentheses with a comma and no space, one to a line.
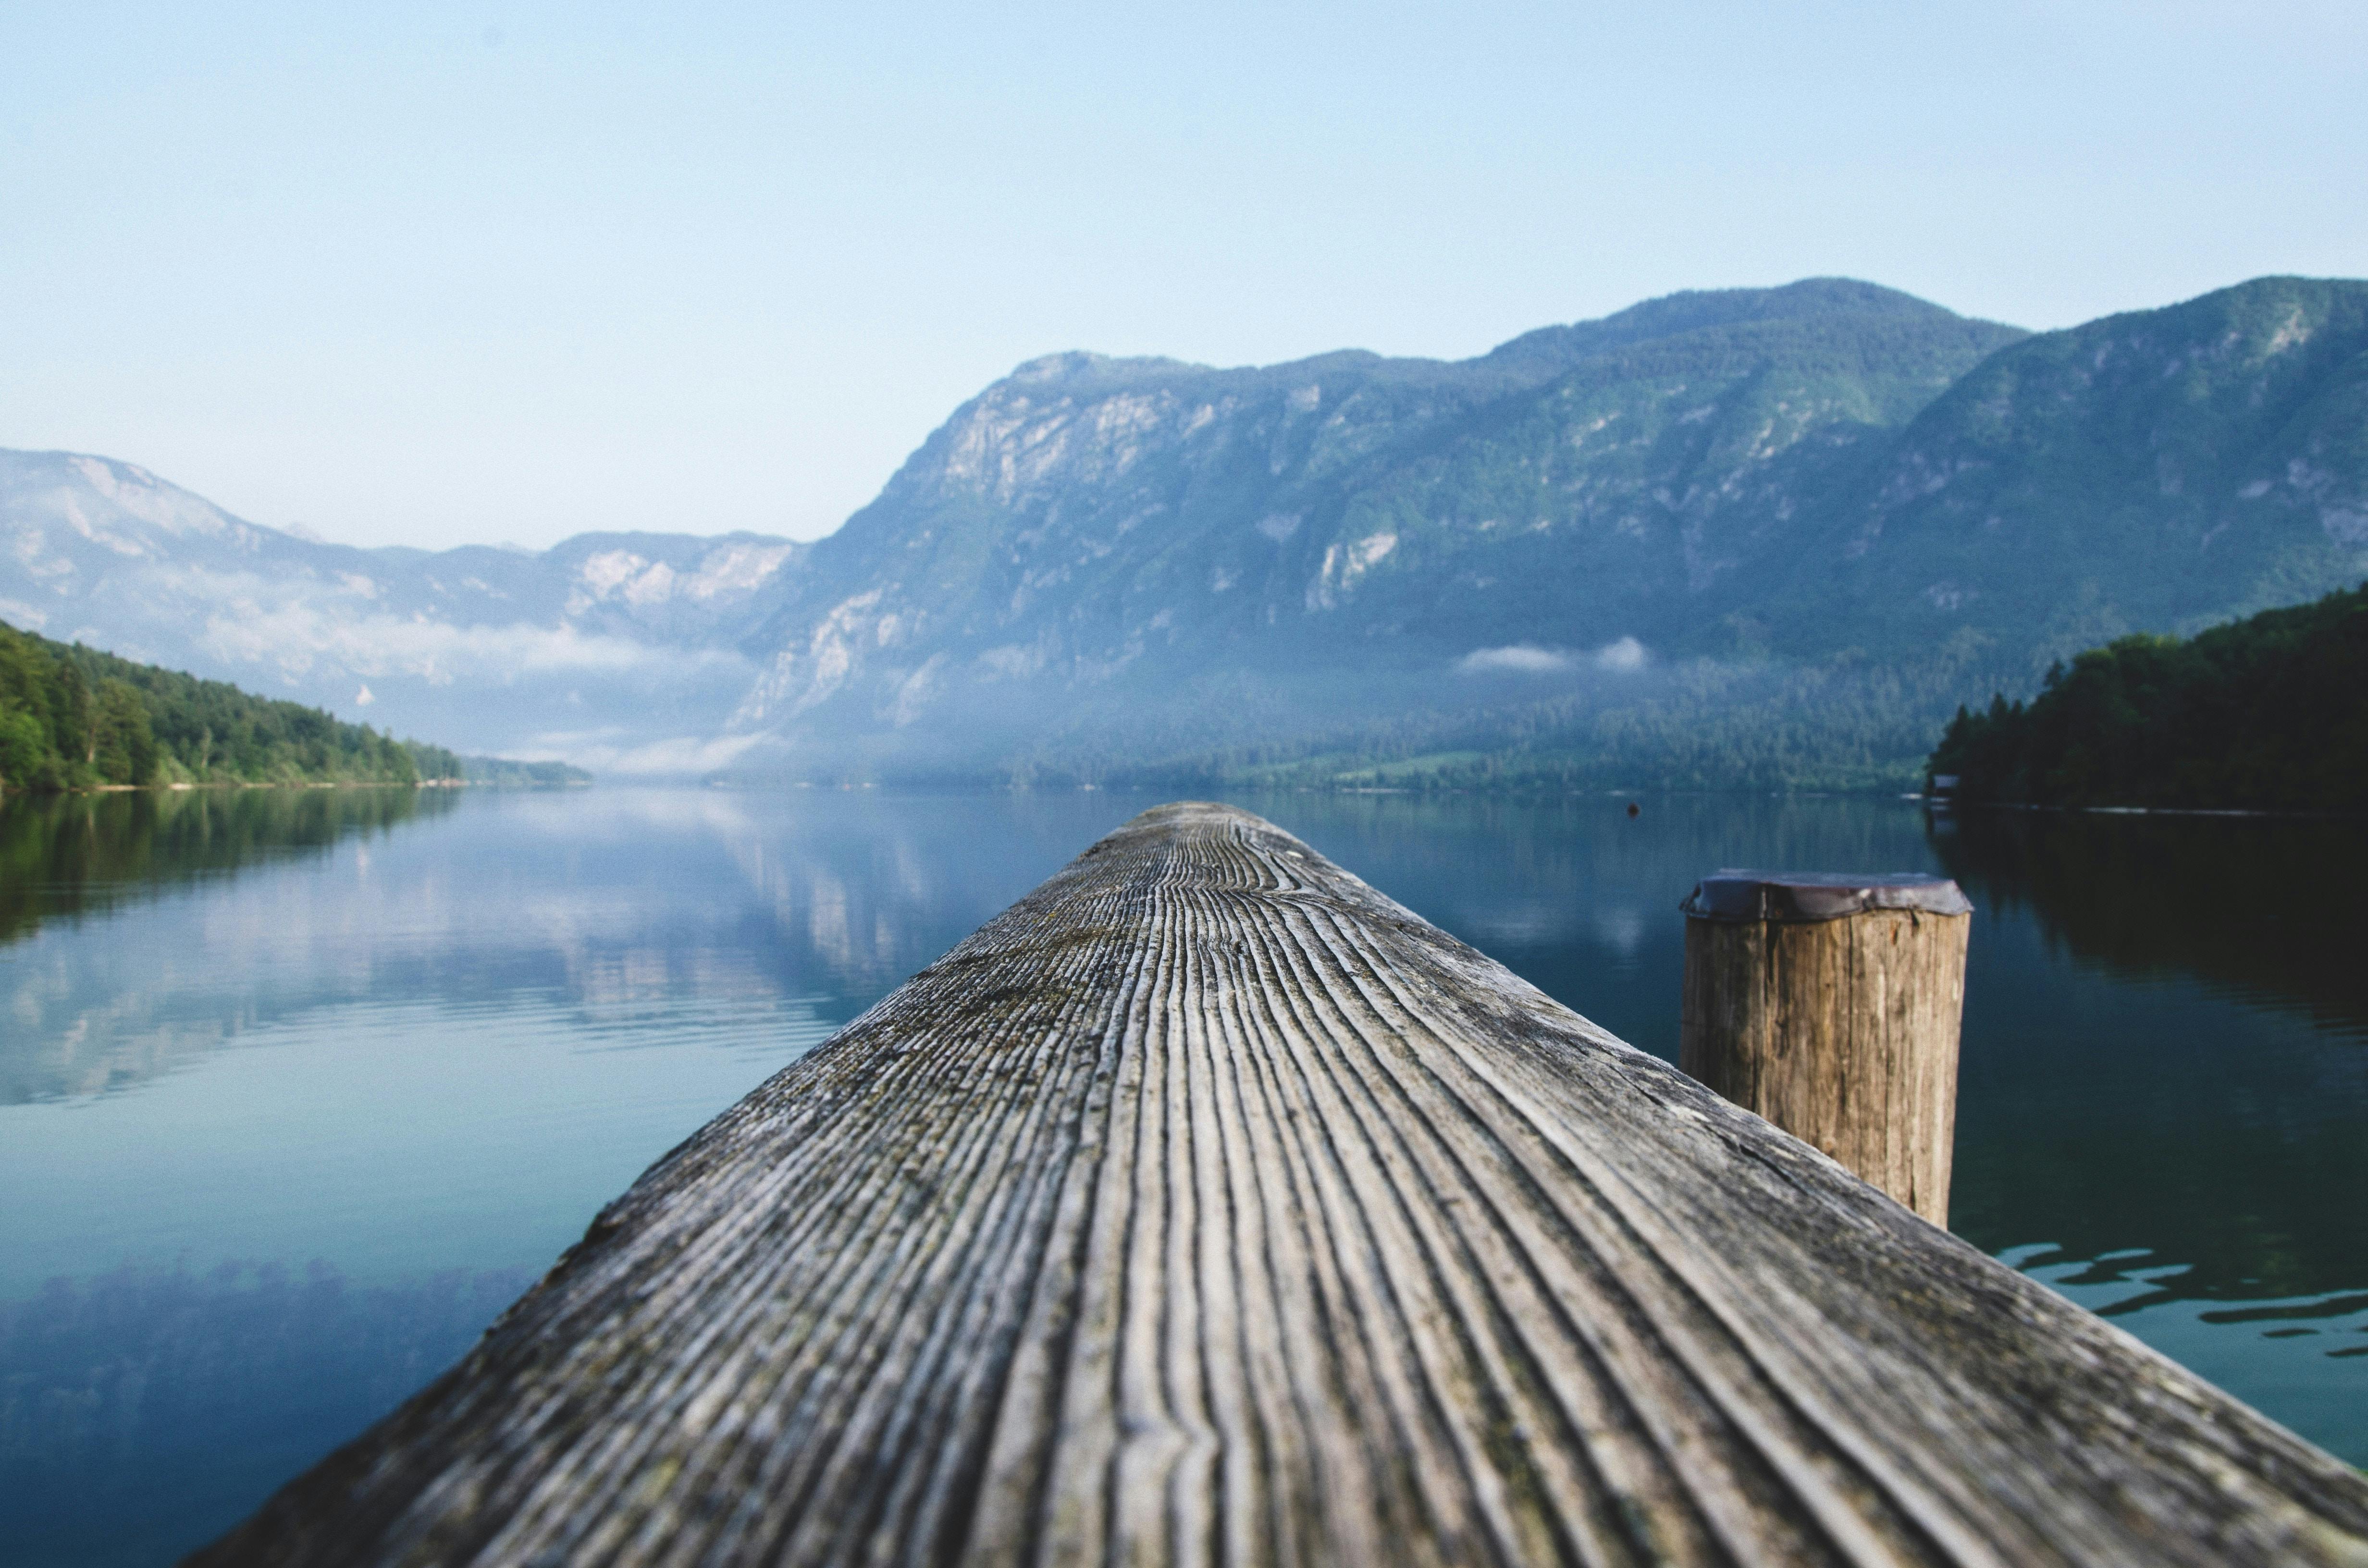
(73,718)
(2265,714)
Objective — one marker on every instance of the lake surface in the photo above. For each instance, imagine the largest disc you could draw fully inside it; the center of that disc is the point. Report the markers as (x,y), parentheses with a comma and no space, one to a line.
(298,1089)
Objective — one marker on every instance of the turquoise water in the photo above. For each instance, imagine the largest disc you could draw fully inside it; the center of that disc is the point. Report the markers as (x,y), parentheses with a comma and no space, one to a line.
(298,1090)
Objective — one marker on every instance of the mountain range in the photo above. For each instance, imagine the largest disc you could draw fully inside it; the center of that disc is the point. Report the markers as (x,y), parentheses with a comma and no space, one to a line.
(1741,537)
(615,647)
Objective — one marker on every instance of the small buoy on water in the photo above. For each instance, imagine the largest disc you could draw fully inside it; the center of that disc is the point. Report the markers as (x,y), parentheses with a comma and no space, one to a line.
(1634,810)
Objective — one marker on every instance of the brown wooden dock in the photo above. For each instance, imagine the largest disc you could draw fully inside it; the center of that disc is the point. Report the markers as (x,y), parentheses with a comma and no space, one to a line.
(1208,1207)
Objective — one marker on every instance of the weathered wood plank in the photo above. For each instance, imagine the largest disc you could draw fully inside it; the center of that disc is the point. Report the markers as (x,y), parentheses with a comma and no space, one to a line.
(1206,1206)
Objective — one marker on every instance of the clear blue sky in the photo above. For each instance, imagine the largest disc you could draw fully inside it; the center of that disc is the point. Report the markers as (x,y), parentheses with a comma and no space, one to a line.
(434,273)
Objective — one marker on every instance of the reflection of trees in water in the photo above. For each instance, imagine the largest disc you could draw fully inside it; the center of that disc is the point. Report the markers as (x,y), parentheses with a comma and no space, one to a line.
(74,856)
(629,917)
(69,854)
(2269,909)
(221,1385)
(2211,1112)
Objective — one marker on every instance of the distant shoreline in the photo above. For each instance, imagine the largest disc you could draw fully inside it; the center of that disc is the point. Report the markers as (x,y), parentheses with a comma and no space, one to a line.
(182,786)
(1949,804)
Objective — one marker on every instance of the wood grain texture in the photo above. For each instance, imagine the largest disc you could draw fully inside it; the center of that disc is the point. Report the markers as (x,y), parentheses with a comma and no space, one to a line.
(1208,1207)
(1842,1032)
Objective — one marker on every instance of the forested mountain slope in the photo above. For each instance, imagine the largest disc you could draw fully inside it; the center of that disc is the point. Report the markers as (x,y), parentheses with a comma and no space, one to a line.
(2160,471)
(73,717)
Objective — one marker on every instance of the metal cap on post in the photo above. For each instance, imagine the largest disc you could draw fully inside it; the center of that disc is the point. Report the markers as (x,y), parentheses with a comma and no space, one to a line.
(1830,1002)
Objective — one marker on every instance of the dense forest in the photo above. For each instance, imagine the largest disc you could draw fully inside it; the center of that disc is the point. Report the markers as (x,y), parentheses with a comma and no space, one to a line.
(73,718)
(2265,714)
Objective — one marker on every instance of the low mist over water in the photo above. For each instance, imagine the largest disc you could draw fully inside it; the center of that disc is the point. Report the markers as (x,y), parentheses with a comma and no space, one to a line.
(298,1089)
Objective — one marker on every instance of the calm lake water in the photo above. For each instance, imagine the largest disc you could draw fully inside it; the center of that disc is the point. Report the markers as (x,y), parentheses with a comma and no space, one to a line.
(299,1089)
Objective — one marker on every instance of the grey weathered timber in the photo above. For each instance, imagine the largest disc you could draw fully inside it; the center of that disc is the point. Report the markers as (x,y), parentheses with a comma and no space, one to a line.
(1208,1207)
(1830,1004)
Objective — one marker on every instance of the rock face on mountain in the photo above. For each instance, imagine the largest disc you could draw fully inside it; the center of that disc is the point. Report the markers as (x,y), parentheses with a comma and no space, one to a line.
(1746,537)
(1829,504)
(1091,533)
(603,644)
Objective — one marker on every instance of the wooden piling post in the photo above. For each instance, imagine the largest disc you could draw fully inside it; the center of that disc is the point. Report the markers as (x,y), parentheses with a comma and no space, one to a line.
(1207,1206)
(1829,1003)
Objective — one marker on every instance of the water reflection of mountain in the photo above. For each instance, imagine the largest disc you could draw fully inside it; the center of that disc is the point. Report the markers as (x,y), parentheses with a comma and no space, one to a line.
(67,855)
(2265,908)
(2206,1115)
(627,917)
(631,911)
